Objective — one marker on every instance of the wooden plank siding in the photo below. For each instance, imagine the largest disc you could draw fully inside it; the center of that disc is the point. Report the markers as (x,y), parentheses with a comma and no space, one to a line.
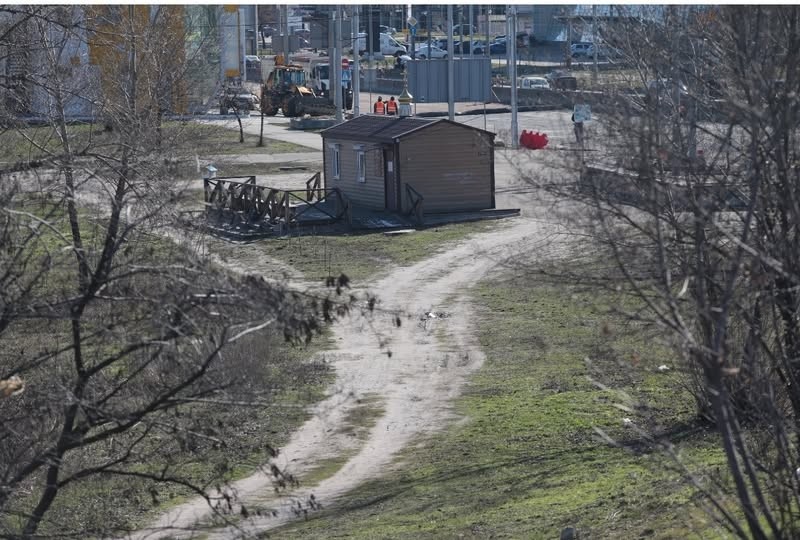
(369,194)
(450,166)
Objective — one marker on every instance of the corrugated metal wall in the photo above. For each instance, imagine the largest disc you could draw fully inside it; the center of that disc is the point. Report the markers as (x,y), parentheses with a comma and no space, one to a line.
(427,80)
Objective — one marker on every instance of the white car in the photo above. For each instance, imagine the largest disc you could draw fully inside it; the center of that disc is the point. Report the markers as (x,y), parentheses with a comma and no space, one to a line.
(534,82)
(581,49)
(423,52)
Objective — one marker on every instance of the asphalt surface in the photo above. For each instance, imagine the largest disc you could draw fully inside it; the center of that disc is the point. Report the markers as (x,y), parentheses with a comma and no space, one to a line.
(556,124)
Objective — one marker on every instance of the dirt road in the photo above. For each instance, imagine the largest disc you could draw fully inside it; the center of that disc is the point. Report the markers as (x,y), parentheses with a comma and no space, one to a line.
(415,385)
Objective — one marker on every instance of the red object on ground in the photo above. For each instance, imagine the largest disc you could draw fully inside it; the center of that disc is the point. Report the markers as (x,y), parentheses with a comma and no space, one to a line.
(533,140)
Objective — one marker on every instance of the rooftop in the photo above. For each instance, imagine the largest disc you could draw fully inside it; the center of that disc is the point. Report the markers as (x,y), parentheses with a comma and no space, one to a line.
(376,127)
(382,128)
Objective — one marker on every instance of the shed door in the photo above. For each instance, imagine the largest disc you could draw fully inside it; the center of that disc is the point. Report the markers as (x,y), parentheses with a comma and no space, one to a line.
(390,186)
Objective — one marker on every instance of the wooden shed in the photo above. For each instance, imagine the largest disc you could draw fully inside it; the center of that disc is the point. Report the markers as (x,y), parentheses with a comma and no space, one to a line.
(383,162)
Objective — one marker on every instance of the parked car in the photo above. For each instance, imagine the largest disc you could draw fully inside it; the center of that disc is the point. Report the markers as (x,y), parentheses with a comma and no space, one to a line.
(581,49)
(388,29)
(564,82)
(534,83)
(522,40)
(424,51)
(556,74)
(497,47)
(302,33)
(475,44)
(389,45)
(463,30)
(441,43)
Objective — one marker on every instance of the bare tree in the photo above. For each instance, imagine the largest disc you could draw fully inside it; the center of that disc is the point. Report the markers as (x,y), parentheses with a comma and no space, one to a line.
(692,192)
(119,337)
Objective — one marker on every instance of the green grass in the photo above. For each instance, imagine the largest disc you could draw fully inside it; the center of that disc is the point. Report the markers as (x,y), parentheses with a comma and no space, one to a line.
(183,138)
(527,461)
(360,256)
(218,140)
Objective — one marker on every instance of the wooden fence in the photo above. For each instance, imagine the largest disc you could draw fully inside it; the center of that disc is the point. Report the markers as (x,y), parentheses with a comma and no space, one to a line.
(239,198)
(415,200)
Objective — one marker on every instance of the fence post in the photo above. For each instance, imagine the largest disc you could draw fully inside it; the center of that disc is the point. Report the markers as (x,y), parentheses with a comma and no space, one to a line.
(286,210)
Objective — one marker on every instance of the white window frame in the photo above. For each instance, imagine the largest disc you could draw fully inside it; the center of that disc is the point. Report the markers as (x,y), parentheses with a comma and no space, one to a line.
(361,163)
(336,160)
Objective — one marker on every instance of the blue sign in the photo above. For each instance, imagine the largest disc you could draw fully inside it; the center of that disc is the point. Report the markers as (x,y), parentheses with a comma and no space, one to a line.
(413,30)
(345,75)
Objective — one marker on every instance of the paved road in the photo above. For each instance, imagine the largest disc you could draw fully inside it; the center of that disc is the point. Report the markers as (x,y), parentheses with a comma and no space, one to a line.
(556,124)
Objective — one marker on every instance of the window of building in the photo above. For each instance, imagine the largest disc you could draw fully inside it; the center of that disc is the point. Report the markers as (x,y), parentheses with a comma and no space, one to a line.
(361,162)
(336,161)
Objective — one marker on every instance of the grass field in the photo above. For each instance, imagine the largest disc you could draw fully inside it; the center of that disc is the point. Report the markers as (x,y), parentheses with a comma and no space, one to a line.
(527,462)
(189,138)
(361,256)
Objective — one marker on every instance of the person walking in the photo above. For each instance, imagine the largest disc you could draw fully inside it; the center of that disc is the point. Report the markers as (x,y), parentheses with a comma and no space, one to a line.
(391,107)
(379,107)
(578,130)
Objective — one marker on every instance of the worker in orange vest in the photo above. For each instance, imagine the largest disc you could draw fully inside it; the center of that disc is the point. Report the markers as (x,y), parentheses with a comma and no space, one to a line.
(391,107)
(379,107)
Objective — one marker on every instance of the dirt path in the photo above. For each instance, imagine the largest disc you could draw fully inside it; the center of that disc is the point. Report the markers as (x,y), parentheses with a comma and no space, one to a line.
(415,385)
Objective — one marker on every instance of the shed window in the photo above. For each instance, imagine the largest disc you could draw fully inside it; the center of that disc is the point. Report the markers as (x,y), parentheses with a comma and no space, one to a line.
(336,161)
(361,160)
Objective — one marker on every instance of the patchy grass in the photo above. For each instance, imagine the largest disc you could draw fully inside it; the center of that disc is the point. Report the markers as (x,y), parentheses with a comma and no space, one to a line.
(282,383)
(357,424)
(361,256)
(218,140)
(261,169)
(183,138)
(362,418)
(527,461)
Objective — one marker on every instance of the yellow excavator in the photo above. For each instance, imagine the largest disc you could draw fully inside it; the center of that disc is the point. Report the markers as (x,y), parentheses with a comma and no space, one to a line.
(286,90)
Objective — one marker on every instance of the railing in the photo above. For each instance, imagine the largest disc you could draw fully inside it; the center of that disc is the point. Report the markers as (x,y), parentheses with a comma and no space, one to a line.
(415,200)
(314,187)
(245,201)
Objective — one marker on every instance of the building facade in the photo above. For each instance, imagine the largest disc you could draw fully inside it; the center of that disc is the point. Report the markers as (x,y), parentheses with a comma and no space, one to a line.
(373,158)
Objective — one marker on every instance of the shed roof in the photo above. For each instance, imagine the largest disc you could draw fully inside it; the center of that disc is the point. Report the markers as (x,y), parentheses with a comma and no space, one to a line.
(379,128)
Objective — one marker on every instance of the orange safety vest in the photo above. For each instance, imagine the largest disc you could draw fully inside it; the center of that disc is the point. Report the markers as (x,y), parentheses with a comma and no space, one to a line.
(391,107)
(379,108)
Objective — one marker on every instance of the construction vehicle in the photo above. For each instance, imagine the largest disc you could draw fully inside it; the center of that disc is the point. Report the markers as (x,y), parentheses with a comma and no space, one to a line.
(286,90)
(320,83)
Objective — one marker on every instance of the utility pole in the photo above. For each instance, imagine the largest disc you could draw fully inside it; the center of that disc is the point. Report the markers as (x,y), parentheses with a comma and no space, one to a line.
(336,83)
(511,41)
(256,29)
(413,31)
(286,33)
(241,24)
(451,109)
(594,43)
(356,78)
(471,30)
(568,43)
